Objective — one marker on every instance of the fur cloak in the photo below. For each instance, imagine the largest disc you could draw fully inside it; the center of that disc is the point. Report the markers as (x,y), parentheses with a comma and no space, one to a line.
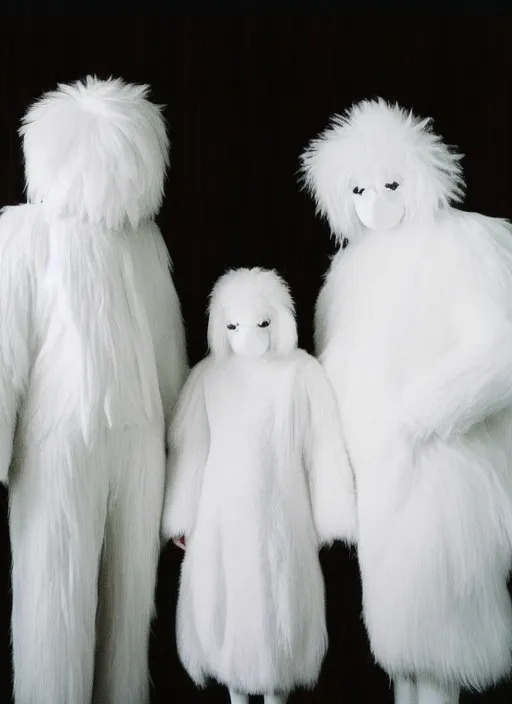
(414,330)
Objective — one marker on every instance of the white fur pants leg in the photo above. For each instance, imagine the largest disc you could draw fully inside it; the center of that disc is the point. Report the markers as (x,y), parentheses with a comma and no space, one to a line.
(405,691)
(432,693)
(237,698)
(128,570)
(275,699)
(57,515)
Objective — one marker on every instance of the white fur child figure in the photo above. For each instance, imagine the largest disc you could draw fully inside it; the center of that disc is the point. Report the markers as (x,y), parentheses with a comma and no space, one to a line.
(414,329)
(258,479)
(92,358)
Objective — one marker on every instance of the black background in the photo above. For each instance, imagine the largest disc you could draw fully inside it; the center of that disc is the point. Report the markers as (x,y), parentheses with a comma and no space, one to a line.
(245,91)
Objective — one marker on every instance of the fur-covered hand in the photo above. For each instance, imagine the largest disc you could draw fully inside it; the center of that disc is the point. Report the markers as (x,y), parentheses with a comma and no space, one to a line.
(427,413)
(5,453)
(172,525)
(166,531)
(398,434)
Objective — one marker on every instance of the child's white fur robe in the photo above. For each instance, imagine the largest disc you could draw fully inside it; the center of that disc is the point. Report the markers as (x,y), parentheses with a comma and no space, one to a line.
(414,329)
(258,480)
(92,358)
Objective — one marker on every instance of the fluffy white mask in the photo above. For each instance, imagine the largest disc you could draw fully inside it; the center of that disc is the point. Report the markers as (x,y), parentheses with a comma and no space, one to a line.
(248,332)
(379,207)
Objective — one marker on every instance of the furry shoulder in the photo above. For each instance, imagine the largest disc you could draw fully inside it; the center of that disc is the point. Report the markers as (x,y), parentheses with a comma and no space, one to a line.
(488,242)
(17,223)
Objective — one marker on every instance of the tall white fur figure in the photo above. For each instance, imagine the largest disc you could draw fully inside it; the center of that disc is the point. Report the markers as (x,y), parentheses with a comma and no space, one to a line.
(92,358)
(258,479)
(414,329)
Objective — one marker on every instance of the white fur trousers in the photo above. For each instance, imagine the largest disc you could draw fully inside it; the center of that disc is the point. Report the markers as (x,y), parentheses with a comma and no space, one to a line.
(424,692)
(85,541)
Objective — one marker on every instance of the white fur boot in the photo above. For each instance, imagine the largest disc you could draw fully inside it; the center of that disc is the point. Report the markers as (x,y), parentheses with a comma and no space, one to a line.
(237,698)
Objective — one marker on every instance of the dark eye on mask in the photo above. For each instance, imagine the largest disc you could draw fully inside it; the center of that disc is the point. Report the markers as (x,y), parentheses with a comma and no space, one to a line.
(231,326)
(264,324)
(392,186)
(357,191)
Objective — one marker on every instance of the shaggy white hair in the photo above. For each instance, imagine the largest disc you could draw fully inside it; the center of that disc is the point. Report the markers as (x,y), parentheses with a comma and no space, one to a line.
(250,287)
(375,142)
(97,150)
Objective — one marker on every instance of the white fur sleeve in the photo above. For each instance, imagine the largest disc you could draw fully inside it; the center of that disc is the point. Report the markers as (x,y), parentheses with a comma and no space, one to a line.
(464,389)
(15,324)
(189,442)
(164,313)
(325,303)
(320,322)
(330,475)
(474,381)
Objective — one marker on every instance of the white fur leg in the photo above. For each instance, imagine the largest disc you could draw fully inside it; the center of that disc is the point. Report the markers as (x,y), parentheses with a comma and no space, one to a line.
(275,699)
(57,517)
(432,693)
(237,698)
(405,691)
(128,570)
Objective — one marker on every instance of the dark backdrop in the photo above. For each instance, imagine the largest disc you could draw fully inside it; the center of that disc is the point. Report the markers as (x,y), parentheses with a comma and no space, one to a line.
(244,93)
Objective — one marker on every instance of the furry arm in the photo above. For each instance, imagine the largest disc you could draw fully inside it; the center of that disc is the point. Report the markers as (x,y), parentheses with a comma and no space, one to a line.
(16,226)
(189,442)
(330,475)
(470,384)
(164,313)
(323,307)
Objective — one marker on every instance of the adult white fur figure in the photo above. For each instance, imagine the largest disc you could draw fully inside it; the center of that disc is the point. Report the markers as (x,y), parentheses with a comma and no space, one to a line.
(258,479)
(92,358)
(414,329)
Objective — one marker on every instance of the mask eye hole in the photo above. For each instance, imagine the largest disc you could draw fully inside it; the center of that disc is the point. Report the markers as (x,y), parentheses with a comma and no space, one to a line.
(358,191)
(231,326)
(264,324)
(392,186)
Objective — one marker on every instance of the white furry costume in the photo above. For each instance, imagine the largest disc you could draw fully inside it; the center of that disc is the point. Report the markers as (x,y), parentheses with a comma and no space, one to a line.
(414,329)
(92,358)
(258,479)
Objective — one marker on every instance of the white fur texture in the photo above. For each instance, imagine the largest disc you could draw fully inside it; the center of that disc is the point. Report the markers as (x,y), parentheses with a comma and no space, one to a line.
(91,363)
(376,142)
(414,330)
(98,150)
(15,322)
(258,478)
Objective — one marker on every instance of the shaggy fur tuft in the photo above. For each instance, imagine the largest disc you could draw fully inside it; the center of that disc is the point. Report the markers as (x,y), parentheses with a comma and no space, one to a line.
(250,285)
(376,140)
(97,150)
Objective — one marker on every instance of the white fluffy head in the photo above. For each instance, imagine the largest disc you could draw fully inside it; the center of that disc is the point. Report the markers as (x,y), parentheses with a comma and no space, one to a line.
(378,144)
(96,150)
(251,296)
